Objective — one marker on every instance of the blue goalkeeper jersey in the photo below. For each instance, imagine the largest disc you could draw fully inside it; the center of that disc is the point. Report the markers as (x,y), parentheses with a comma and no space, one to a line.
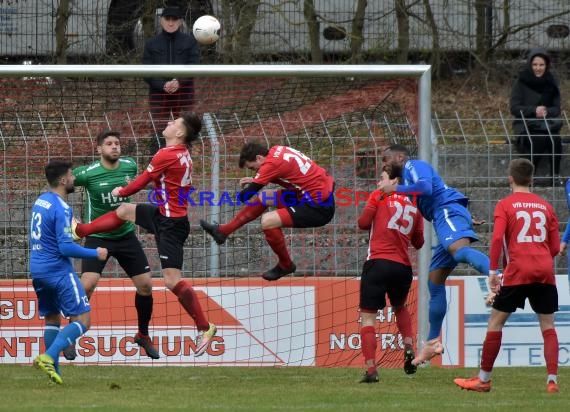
(50,240)
(421,181)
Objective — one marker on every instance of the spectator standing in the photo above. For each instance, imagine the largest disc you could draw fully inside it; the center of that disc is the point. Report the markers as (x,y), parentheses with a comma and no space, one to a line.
(168,97)
(535,102)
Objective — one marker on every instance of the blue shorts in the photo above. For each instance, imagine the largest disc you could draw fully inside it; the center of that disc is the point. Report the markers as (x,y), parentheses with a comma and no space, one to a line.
(450,223)
(63,293)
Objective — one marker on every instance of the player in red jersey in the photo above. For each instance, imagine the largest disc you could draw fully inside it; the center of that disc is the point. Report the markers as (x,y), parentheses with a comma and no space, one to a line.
(306,201)
(170,170)
(394,222)
(526,232)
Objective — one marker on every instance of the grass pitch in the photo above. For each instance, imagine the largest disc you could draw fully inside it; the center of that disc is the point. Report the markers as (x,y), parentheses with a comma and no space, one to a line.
(124,388)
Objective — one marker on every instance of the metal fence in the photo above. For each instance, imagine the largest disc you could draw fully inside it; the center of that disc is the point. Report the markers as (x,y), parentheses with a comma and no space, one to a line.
(109,30)
(472,155)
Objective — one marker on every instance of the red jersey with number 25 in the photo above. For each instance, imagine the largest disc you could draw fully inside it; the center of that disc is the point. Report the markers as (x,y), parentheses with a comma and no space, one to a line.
(293,170)
(526,231)
(394,223)
(171,172)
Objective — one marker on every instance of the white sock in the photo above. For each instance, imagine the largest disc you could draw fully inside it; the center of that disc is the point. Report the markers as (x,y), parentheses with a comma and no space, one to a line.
(484,376)
(551,378)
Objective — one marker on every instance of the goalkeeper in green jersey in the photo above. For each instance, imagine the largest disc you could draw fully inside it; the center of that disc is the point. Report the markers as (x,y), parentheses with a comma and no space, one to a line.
(99,179)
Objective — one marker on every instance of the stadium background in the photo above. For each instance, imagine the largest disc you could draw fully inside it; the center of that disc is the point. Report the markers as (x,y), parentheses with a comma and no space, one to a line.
(43,118)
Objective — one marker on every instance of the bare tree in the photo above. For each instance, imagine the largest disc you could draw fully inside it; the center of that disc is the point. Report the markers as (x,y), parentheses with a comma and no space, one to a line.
(403,19)
(148,17)
(508,30)
(238,21)
(61,20)
(435,59)
(311,18)
(357,33)
(483,16)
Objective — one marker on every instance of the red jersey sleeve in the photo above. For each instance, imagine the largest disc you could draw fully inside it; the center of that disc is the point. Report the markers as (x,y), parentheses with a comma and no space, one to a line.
(269,171)
(553,234)
(367,216)
(136,185)
(497,239)
(159,163)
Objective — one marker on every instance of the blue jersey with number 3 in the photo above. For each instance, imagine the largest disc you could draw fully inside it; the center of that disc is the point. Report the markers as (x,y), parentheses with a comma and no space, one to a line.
(50,226)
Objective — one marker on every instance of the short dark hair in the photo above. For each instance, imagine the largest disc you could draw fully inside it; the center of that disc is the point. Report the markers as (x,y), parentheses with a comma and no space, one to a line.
(193,125)
(250,151)
(106,133)
(399,148)
(55,169)
(521,170)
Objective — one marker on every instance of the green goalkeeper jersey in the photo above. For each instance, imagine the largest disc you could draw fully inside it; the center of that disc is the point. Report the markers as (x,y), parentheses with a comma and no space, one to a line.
(98,183)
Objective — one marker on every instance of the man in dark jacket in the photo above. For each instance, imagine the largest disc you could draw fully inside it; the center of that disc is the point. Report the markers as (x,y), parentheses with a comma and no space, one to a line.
(535,102)
(168,97)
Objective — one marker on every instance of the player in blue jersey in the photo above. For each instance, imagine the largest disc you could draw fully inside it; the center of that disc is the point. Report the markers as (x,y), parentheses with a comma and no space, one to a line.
(446,208)
(56,284)
(566,236)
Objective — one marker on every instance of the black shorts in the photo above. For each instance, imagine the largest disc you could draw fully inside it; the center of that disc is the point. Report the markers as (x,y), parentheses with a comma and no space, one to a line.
(543,298)
(170,233)
(381,277)
(312,214)
(127,251)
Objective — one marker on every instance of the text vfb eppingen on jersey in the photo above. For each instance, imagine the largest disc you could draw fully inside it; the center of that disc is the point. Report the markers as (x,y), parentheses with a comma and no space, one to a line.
(342,197)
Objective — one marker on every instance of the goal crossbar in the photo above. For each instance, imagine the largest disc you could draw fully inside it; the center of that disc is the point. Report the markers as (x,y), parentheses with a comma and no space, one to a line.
(422,73)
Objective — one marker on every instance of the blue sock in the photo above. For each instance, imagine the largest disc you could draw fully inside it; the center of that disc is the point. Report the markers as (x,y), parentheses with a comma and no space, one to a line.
(477,259)
(50,333)
(65,338)
(437,308)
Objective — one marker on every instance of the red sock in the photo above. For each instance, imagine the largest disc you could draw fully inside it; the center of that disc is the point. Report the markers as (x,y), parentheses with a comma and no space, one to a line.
(105,223)
(404,322)
(189,301)
(551,351)
(368,344)
(245,215)
(491,348)
(276,241)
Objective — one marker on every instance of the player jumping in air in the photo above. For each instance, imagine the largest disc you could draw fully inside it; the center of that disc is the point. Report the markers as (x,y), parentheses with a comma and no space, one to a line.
(446,208)
(171,172)
(307,201)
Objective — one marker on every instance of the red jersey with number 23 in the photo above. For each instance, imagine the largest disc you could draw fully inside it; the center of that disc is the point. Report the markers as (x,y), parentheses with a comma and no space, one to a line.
(170,170)
(394,223)
(526,231)
(293,170)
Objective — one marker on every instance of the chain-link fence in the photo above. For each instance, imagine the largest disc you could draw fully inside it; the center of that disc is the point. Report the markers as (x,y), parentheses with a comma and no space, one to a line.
(461,32)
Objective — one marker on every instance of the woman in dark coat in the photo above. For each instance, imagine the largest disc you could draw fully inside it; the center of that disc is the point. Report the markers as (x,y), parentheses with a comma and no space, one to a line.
(535,97)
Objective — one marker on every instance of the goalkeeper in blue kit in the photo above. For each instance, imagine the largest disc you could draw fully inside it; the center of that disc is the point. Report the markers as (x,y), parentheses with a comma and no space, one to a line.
(55,282)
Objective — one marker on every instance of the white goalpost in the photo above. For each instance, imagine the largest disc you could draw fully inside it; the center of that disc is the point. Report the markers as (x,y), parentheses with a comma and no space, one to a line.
(341,116)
